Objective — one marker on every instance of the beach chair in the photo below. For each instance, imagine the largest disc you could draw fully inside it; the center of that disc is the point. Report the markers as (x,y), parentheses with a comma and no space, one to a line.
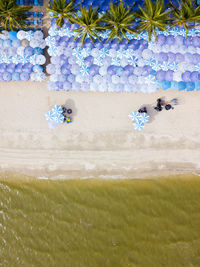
(40,2)
(39,22)
(40,14)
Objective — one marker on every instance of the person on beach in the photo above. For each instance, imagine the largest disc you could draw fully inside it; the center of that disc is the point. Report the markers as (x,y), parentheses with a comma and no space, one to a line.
(159,105)
(142,110)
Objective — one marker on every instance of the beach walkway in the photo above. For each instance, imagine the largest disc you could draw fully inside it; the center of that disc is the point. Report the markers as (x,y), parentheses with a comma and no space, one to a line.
(101,141)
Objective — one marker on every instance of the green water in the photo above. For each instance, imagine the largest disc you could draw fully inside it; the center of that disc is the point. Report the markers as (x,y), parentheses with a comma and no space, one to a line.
(100,223)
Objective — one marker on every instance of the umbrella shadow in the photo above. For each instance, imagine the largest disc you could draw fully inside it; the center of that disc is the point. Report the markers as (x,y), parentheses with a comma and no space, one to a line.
(69,104)
(150,111)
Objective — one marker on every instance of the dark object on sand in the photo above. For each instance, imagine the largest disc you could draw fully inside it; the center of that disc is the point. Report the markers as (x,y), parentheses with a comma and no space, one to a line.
(158,108)
(69,111)
(168,107)
(64,109)
(142,110)
(159,105)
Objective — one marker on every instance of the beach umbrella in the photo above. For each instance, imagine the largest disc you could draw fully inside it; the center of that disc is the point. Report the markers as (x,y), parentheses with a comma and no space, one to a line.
(57,109)
(190,86)
(37,68)
(21,35)
(71,78)
(138,125)
(115,79)
(162,56)
(18,67)
(24,76)
(34,43)
(76,86)
(194,76)
(10,67)
(144,117)
(7,43)
(188,57)
(40,60)
(169,75)
(161,39)
(40,77)
(174,85)
(160,75)
(181,86)
(170,39)
(67,86)
(94,70)
(38,35)
(16,76)
(50,85)
(186,76)
(16,43)
(65,69)
(7,76)
(49,116)
(12,51)
(50,69)
(171,57)
(37,51)
(24,43)
(12,35)
(27,67)
(165,85)
(134,116)
(20,51)
(179,40)
(52,124)
(179,57)
(59,118)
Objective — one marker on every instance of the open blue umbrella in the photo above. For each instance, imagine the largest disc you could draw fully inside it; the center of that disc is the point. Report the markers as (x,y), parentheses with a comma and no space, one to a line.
(59,118)
(144,117)
(57,109)
(138,125)
(7,76)
(49,116)
(134,116)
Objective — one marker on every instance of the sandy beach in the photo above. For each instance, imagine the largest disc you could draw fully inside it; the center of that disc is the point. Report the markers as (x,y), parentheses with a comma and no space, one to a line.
(101,141)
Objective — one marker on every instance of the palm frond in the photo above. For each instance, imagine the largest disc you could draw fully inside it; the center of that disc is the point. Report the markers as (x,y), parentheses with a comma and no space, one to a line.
(89,24)
(185,13)
(119,20)
(62,9)
(151,16)
(12,16)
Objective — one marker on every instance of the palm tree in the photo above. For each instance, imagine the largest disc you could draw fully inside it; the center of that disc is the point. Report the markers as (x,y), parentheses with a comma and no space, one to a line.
(153,15)
(62,9)
(12,16)
(89,24)
(186,13)
(119,19)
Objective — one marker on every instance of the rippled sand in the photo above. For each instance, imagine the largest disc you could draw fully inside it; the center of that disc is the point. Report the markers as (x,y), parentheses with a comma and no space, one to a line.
(100,223)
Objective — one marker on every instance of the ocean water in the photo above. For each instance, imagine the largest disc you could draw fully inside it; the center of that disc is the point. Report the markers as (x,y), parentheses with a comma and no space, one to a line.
(95,223)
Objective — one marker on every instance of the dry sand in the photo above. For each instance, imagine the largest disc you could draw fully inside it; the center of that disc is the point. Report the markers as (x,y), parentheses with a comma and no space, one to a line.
(101,141)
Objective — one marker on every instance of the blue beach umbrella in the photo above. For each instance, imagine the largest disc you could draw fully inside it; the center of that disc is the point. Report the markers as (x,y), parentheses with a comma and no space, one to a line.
(138,125)
(49,116)
(16,76)
(144,117)
(134,116)
(59,118)
(7,76)
(57,109)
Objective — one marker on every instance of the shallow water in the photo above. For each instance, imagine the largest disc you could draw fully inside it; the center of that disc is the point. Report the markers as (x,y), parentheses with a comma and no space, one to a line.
(100,223)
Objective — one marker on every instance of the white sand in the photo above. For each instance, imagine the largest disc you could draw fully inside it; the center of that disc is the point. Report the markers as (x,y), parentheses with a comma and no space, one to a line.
(101,141)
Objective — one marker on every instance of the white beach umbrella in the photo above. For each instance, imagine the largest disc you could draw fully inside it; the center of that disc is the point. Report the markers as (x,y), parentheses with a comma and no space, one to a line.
(59,118)
(21,35)
(40,60)
(144,117)
(57,109)
(49,116)
(134,116)
(38,35)
(138,125)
